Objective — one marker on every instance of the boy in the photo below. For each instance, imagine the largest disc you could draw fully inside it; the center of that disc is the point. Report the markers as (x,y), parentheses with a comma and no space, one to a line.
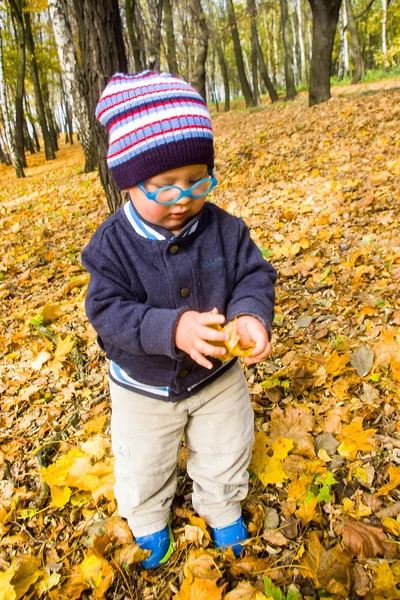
(164,269)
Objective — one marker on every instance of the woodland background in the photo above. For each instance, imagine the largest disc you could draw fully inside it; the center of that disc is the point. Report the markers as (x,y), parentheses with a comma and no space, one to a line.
(318,184)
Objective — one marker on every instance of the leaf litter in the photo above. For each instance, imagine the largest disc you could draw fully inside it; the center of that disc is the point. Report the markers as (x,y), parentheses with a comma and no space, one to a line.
(319,189)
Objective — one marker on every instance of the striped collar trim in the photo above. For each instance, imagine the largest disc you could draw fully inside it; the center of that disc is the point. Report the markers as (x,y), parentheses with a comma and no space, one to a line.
(154,232)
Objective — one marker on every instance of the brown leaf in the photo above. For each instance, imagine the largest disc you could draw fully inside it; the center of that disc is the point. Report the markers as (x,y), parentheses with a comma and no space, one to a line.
(129,554)
(329,569)
(201,564)
(233,347)
(364,540)
(118,529)
(245,591)
(249,565)
(361,581)
(294,424)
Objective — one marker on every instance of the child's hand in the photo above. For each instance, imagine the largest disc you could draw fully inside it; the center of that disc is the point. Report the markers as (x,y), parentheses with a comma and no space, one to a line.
(251,331)
(193,332)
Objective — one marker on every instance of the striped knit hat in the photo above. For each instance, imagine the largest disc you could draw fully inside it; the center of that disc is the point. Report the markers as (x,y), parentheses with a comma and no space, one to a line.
(156,122)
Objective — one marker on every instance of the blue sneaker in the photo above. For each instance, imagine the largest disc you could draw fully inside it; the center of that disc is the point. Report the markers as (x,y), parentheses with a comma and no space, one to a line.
(231,535)
(161,545)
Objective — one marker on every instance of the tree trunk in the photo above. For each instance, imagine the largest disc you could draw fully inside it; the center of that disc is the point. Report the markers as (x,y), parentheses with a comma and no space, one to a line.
(169,30)
(287,49)
(264,73)
(49,113)
(247,93)
(27,139)
(325,18)
(199,68)
(303,68)
(384,43)
(344,63)
(134,34)
(354,44)
(4,156)
(155,42)
(251,8)
(16,11)
(7,125)
(48,148)
(225,76)
(73,76)
(103,54)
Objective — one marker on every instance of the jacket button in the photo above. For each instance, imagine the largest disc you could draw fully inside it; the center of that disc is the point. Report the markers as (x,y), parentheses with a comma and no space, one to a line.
(174,249)
(185,292)
(183,373)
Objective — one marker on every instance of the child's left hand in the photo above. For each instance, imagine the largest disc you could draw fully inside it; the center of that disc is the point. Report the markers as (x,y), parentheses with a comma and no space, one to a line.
(251,331)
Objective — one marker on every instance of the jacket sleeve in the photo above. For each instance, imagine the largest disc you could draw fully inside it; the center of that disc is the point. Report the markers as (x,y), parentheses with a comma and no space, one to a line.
(254,291)
(117,314)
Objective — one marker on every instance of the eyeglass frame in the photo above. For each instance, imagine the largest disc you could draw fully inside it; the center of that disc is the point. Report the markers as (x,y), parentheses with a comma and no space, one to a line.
(183,193)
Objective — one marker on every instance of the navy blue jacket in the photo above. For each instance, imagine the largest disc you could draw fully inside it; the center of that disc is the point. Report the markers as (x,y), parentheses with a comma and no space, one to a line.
(140,287)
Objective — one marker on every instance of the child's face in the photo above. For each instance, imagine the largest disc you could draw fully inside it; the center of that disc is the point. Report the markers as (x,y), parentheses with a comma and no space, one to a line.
(173,216)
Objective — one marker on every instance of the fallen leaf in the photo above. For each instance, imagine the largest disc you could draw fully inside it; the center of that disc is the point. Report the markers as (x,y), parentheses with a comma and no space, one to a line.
(386,581)
(233,347)
(355,439)
(329,569)
(364,540)
(269,469)
(250,565)
(361,581)
(200,589)
(245,591)
(362,360)
(394,475)
(294,424)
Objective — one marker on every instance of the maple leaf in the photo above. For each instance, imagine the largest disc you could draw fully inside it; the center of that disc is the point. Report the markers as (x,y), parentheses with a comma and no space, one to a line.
(394,475)
(269,469)
(387,352)
(200,589)
(364,540)
(329,569)
(294,424)
(18,578)
(355,439)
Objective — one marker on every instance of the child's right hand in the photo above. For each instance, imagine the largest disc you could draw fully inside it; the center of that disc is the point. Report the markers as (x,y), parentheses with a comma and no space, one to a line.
(193,332)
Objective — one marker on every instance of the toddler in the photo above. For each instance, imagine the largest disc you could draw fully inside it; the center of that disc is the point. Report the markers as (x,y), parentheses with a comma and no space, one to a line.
(165,269)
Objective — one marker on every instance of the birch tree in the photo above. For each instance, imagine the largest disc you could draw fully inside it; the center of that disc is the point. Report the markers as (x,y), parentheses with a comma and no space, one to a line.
(72,78)
(4,109)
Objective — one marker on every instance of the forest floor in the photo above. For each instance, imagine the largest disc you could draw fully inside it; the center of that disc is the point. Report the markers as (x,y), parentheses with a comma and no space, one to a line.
(320,189)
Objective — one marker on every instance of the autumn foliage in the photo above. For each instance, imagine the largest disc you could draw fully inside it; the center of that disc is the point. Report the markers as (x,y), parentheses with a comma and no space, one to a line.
(320,190)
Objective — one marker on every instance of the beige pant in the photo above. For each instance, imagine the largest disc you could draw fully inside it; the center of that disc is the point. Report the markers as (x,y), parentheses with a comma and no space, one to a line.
(218,424)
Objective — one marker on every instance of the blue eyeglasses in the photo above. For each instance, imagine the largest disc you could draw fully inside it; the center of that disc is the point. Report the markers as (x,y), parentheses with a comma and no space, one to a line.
(169,194)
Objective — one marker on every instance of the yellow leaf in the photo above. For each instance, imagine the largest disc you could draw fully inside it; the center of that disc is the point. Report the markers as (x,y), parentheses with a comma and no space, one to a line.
(386,581)
(50,312)
(391,525)
(306,512)
(335,364)
(394,475)
(7,591)
(200,589)
(18,578)
(269,469)
(199,522)
(95,425)
(354,439)
(64,347)
(233,347)
(39,361)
